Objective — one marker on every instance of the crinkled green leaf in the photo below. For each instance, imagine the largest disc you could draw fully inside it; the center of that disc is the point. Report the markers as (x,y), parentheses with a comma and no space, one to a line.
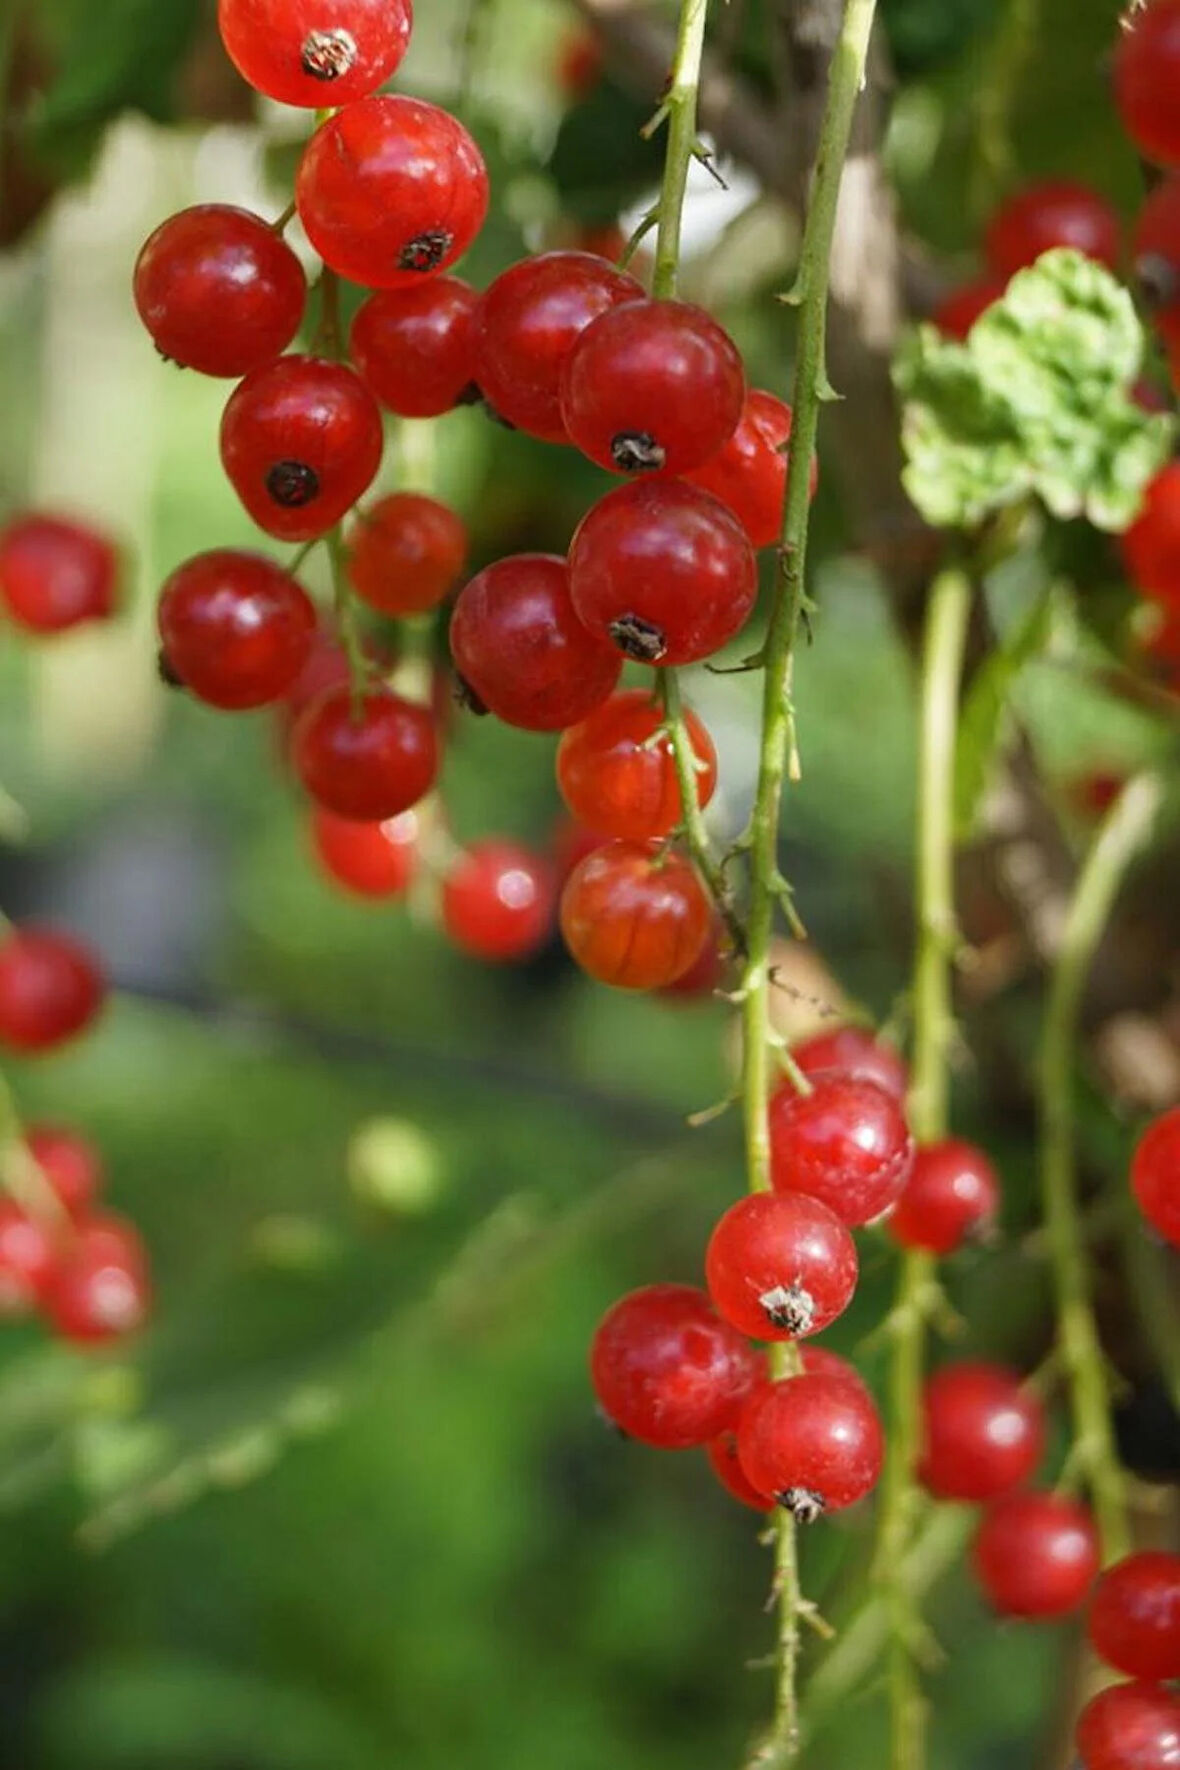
(982,722)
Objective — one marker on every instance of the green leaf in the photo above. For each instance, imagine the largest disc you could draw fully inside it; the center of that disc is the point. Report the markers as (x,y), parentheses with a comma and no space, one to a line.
(983,723)
(601,160)
(1036,403)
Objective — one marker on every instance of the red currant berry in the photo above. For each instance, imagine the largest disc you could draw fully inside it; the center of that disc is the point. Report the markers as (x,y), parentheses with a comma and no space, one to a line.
(652,386)
(579,63)
(749,472)
(1157,257)
(1053,213)
(951,1196)
(301,440)
(846,1143)
(984,1432)
(1130,1727)
(70,1164)
(368,762)
(956,313)
(857,1051)
(366,859)
(218,290)
(28,1257)
(571,844)
(1036,1555)
(667,1371)
(780,1266)
(617,773)
(315,53)
(1151,546)
(723,1460)
(415,347)
(664,571)
(1155,1175)
(704,976)
(1135,1617)
(635,916)
(55,573)
(236,628)
(813,1443)
(819,1362)
(498,901)
(1147,79)
(391,189)
(50,989)
(405,553)
(526,325)
(522,651)
(99,1289)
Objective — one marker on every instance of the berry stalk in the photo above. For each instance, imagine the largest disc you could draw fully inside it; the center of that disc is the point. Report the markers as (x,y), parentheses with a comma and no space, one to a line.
(20,1176)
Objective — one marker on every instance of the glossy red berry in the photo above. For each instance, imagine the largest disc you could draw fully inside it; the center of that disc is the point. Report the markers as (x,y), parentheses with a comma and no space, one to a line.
(635,916)
(1036,1555)
(667,1370)
(315,53)
(237,629)
(813,1443)
(663,571)
(845,1143)
(374,860)
(1155,1175)
(780,1266)
(951,1196)
(749,472)
(983,1433)
(1130,1727)
(368,762)
(390,190)
(618,777)
(28,1256)
(1057,212)
(70,1164)
(1147,79)
(405,553)
(415,347)
(50,989)
(858,1051)
(55,573)
(652,387)
(818,1361)
(526,325)
(956,313)
(1157,257)
(498,901)
(301,440)
(521,650)
(99,1289)
(1135,1617)
(724,1461)
(1151,546)
(704,976)
(218,290)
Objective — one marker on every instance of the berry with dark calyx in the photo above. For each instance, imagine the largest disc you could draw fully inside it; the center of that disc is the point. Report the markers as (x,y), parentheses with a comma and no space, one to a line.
(983,1433)
(1134,1622)
(405,553)
(1130,1727)
(518,644)
(373,860)
(652,387)
(957,312)
(527,323)
(99,1289)
(635,915)
(846,1143)
(1036,1555)
(780,1266)
(315,53)
(236,628)
(663,571)
(1155,1175)
(69,1163)
(667,1371)
(391,190)
(859,1052)
(951,1196)
(498,901)
(415,347)
(749,472)
(301,440)
(812,1443)
(55,573)
(1157,257)
(1147,80)
(218,290)
(50,989)
(617,773)
(1056,212)
(28,1257)
(726,1465)
(368,761)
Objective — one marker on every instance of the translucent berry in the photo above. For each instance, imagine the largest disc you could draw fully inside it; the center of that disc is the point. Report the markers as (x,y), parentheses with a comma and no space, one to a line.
(858,1051)
(780,1266)
(846,1143)
(1157,257)
(724,1461)
(415,347)
(1155,1175)
(236,629)
(617,774)
(1147,80)
(1036,1555)
(1151,546)
(667,1371)
(498,901)
(1056,212)
(1135,1617)
(315,53)
(704,977)
(70,1164)
(55,573)
(375,860)
(99,1289)
(1130,1727)
(405,553)
(749,472)
(952,1196)
(635,915)
(819,1361)
(369,762)
(50,989)
(813,1443)
(983,1432)
(28,1255)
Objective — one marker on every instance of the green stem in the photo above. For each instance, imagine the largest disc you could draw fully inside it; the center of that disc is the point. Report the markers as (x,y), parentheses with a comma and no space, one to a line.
(1120,838)
(20,1176)
(696,836)
(344,604)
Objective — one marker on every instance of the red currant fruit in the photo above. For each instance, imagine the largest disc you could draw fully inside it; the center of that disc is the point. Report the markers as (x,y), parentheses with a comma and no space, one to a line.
(667,1371)
(957,312)
(415,347)
(951,1196)
(391,189)
(749,472)
(1151,546)
(1155,1175)
(813,1443)
(236,629)
(984,1432)
(617,773)
(1036,1555)
(366,859)
(635,916)
(28,1256)
(780,1265)
(703,976)
(498,901)
(1130,1727)
(50,989)
(664,571)
(652,386)
(99,1289)
(579,63)
(846,1143)
(315,53)
(857,1051)
(1157,257)
(218,290)
(819,1362)
(301,440)
(70,1164)
(522,651)
(1135,1617)
(1053,213)
(405,553)
(526,325)
(369,762)
(1147,79)
(723,1460)
(55,573)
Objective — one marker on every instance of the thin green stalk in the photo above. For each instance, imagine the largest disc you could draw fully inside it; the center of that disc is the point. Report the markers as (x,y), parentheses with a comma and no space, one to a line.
(695,834)
(1120,838)
(344,606)
(20,1176)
